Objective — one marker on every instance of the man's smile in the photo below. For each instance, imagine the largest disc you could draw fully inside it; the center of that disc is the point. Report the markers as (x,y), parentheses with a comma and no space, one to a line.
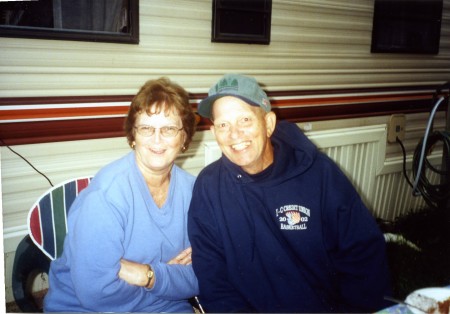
(241,146)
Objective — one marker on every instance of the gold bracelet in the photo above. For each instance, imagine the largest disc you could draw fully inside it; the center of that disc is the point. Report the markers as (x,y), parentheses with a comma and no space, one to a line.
(150,275)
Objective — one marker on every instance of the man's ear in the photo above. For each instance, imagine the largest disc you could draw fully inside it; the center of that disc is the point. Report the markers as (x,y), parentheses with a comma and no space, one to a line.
(213,130)
(271,121)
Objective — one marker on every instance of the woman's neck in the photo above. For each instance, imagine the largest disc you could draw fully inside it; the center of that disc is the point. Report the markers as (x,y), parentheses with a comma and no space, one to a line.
(158,185)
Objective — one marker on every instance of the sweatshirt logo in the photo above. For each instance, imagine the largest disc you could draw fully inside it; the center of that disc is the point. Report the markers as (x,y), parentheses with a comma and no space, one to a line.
(293,217)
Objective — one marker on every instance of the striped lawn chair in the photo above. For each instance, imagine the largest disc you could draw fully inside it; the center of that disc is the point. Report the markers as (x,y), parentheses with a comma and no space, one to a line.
(47,219)
(47,228)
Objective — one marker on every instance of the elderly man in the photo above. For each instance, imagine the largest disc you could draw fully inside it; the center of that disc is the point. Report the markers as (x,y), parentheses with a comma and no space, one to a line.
(275,226)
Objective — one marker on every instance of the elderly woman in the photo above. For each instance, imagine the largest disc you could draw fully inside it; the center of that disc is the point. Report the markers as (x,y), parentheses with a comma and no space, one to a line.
(127,248)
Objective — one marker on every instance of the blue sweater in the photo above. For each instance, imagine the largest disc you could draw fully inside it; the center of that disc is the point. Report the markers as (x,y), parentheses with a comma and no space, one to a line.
(294,238)
(113,218)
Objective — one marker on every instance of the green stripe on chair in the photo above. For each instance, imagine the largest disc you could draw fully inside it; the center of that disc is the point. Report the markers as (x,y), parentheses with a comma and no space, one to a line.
(59,218)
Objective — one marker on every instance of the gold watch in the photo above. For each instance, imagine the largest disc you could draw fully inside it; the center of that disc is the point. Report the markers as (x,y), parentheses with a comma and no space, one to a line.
(150,274)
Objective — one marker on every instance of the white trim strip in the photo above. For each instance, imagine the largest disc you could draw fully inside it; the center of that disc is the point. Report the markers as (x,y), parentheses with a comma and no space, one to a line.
(65,106)
(64,118)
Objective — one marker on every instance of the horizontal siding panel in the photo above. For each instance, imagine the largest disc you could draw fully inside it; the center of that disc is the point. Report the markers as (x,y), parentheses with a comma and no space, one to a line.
(315,45)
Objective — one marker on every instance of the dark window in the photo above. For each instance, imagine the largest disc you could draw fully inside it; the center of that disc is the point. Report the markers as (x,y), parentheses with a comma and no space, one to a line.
(407,26)
(87,20)
(241,21)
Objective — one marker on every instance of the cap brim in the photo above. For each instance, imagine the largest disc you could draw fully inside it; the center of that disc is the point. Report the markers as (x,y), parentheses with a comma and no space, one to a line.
(205,106)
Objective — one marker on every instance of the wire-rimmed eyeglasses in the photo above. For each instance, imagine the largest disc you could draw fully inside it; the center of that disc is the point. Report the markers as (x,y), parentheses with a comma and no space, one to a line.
(166,131)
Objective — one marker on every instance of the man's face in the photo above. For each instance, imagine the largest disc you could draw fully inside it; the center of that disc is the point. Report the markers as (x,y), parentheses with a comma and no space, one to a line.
(243,133)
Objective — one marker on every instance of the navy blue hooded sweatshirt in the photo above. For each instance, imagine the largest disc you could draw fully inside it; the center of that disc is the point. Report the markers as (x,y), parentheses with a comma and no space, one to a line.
(294,238)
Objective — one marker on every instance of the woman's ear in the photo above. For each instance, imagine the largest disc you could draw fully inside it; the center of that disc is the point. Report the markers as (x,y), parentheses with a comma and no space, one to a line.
(183,146)
(271,121)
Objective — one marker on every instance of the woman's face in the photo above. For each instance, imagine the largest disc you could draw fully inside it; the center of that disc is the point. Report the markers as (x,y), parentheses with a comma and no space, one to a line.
(156,153)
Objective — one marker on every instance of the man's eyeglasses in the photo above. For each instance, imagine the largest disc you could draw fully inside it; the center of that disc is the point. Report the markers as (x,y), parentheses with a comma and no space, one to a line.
(166,131)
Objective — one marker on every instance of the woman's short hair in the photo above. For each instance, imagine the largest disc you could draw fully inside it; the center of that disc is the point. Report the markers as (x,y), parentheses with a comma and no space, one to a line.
(161,94)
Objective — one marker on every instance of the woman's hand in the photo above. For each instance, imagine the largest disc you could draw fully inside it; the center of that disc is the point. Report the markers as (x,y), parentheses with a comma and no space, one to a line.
(134,273)
(184,258)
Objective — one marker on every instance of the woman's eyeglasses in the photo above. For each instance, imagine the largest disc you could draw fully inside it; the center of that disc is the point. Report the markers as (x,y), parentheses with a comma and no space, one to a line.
(166,131)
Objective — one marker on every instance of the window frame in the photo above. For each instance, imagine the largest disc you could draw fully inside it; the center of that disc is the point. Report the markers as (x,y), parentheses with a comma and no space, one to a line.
(221,35)
(132,37)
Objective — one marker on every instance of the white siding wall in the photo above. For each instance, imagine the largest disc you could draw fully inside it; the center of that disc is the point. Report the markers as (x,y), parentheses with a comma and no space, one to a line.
(315,44)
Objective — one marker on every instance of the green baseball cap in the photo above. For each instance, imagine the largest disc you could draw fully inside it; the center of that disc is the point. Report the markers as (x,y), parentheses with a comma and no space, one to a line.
(240,86)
